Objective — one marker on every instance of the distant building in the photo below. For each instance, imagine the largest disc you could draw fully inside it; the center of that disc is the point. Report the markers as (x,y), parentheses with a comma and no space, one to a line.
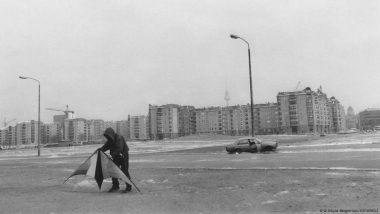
(351,118)
(337,116)
(26,133)
(51,133)
(267,120)
(208,120)
(186,120)
(76,130)
(11,137)
(96,129)
(3,137)
(163,121)
(304,111)
(138,127)
(60,119)
(232,120)
(122,128)
(369,119)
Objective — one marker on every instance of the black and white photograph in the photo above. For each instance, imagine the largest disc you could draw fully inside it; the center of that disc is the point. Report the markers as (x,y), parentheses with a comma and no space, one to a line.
(189,106)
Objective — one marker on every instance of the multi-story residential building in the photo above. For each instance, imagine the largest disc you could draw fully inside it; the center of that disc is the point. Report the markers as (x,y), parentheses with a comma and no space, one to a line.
(351,119)
(233,120)
(96,129)
(267,118)
(76,130)
(60,119)
(122,128)
(337,116)
(26,132)
(138,127)
(242,120)
(8,137)
(186,120)
(304,111)
(163,121)
(209,120)
(202,123)
(369,119)
(3,137)
(51,133)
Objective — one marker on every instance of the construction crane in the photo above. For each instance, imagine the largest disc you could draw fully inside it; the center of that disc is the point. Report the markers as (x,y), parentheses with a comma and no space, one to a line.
(7,122)
(67,111)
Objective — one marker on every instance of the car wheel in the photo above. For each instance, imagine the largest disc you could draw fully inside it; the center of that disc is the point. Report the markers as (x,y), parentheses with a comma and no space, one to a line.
(238,151)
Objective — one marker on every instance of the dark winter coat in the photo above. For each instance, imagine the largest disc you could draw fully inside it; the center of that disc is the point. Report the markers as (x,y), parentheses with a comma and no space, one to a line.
(115,143)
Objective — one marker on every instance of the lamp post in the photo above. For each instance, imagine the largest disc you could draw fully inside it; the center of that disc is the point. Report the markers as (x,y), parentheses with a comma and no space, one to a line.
(39,101)
(233,36)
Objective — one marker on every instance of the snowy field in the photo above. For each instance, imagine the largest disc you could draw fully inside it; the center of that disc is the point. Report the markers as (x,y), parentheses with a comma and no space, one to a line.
(135,147)
(287,144)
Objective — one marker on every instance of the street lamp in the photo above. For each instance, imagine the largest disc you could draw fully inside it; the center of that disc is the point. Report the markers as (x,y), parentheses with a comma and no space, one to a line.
(39,101)
(233,36)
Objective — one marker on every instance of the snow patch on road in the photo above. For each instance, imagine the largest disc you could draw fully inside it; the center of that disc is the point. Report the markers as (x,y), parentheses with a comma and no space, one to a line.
(268,202)
(84,183)
(334,150)
(329,144)
(279,194)
(337,174)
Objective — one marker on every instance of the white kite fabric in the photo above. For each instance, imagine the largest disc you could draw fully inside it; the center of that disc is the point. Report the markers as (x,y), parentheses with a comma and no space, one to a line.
(100,166)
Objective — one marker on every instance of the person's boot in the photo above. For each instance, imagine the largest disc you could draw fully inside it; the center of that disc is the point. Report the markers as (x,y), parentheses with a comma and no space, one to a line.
(113,189)
(128,188)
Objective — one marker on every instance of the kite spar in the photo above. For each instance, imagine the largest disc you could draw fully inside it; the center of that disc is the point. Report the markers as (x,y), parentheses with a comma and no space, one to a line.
(100,167)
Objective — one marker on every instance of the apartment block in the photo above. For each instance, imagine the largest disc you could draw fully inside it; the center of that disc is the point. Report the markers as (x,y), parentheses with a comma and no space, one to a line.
(3,137)
(304,111)
(267,118)
(369,119)
(232,120)
(351,119)
(163,121)
(96,129)
(186,120)
(76,130)
(138,127)
(51,133)
(26,132)
(122,128)
(337,115)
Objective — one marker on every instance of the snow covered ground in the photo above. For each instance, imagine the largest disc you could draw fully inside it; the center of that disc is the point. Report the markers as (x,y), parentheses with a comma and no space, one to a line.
(334,143)
(136,147)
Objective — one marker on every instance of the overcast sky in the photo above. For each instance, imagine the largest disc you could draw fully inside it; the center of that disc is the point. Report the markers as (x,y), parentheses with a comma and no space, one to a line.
(110,59)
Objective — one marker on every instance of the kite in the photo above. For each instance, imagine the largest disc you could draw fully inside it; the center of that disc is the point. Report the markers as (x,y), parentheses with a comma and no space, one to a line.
(100,167)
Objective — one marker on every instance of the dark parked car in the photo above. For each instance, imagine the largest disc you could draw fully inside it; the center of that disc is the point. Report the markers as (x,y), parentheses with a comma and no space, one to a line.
(251,144)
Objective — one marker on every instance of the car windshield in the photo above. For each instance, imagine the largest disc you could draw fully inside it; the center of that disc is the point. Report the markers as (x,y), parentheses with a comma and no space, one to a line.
(251,139)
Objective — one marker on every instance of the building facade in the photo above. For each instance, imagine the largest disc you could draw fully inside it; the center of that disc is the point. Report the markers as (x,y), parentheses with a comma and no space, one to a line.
(26,133)
(304,111)
(351,119)
(186,120)
(163,121)
(96,129)
(122,128)
(337,116)
(369,119)
(138,127)
(267,120)
(3,137)
(76,130)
